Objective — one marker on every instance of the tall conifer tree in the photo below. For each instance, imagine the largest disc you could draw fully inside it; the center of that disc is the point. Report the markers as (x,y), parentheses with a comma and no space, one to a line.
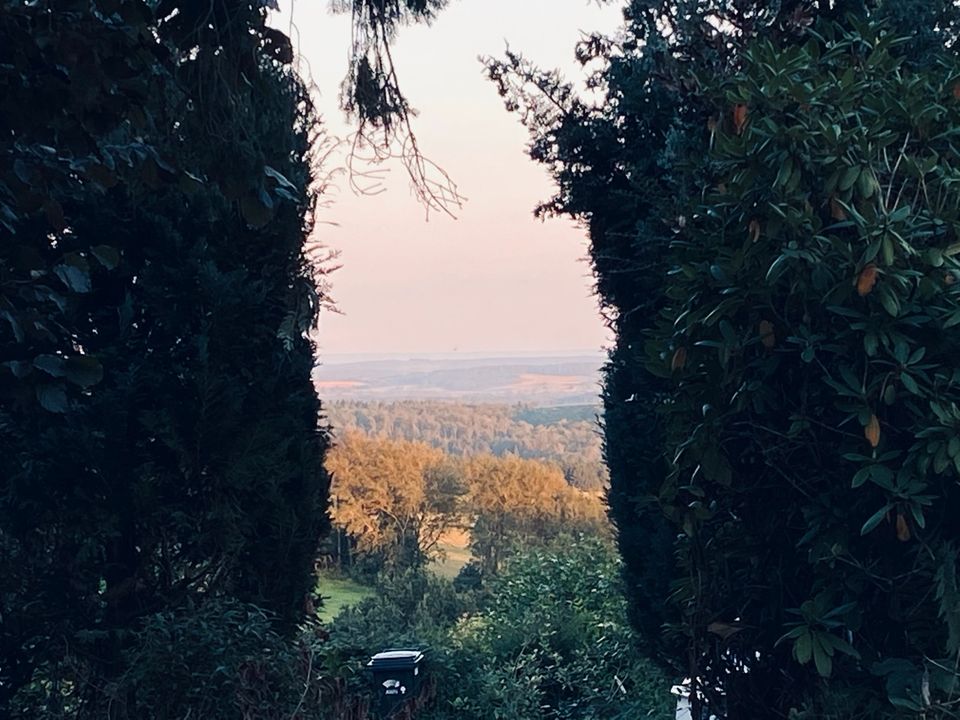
(159,433)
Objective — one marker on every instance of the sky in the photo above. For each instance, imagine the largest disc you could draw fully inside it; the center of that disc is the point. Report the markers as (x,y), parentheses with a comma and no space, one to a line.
(494,279)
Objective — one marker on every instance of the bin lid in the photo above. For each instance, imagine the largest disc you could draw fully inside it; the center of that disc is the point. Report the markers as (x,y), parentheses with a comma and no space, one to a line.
(395,659)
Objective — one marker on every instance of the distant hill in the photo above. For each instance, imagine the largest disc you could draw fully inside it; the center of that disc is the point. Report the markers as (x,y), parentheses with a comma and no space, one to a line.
(546,380)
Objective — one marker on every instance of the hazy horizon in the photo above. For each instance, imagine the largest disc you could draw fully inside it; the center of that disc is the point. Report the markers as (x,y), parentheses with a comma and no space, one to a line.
(495,280)
(350,357)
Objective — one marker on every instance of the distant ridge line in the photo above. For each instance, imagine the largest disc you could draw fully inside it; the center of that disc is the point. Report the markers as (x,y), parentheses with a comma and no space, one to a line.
(538,379)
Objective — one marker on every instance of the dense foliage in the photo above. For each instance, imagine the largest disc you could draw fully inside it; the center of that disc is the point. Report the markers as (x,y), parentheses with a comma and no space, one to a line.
(159,429)
(226,660)
(515,504)
(548,639)
(395,500)
(223,658)
(814,416)
(159,439)
(564,435)
(769,190)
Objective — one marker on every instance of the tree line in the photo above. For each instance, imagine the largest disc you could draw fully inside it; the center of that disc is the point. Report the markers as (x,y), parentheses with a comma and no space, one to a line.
(395,500)
(568,436)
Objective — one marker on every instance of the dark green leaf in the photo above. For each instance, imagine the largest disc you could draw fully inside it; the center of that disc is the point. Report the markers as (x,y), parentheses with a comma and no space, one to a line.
(874,520)
(84,370)
(107,256)
(73,277)
(848,178)
(52,398)
(51,364)
(822,659)
(283,182)
(909,383)
(803,648)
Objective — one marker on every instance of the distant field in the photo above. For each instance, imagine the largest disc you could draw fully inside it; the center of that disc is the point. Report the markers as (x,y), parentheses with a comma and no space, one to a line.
(539,380)
(539,383)
(455,546)
(339,593)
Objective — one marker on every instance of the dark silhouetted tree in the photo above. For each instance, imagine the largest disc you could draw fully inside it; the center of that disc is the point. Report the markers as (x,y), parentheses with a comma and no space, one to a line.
(731,442)
(159,435)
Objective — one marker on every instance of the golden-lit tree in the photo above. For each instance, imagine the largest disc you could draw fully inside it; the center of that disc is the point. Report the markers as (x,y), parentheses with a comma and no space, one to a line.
(518,501)
(394,498)
(568,437)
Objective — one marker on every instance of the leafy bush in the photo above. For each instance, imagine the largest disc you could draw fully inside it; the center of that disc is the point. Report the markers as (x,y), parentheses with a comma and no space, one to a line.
(553,642)
(158,428)
(408,608)
(219,661)
(546,639)
(771,195)
(815,403)
(222,660)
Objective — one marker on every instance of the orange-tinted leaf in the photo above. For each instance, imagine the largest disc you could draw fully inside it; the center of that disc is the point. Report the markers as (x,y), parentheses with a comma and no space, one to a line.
(956,91)
(872,431)
(767,336)
(903,528)
(754,229)
(866,280)
(740,113)
(679,359)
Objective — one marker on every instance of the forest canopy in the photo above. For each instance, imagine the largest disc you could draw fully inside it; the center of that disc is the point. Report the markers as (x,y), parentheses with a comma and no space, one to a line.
(567,436)
(396,500)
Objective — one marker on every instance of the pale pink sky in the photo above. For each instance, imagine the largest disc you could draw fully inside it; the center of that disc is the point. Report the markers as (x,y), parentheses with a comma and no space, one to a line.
(494,279)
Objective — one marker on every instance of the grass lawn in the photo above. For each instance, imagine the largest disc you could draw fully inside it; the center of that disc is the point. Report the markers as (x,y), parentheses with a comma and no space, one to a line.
(339,593)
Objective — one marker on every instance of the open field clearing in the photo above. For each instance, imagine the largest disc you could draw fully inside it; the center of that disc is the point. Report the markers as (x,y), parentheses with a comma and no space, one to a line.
(339,593)
(455,545)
